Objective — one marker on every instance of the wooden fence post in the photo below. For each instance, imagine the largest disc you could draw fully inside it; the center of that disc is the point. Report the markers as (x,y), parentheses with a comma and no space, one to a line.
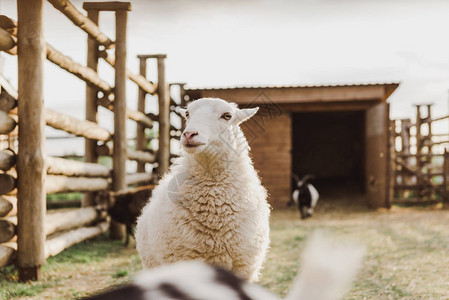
(164,113)
(90,153)
(30,162)
(141,143)
(164,116)
(182,101)
(117,230)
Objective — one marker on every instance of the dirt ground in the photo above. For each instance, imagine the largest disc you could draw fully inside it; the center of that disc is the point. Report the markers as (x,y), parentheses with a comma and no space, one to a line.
(407,255)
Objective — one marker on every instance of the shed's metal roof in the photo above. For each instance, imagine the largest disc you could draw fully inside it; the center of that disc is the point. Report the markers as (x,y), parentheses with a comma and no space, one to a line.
(392,84)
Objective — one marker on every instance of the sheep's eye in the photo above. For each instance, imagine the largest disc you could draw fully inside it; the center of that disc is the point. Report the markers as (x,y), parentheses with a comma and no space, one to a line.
(226,116)
(187,114)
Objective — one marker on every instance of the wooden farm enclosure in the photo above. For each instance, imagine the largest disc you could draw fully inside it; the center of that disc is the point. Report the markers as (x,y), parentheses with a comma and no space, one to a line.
(28,233)
(340,134)
(420,158)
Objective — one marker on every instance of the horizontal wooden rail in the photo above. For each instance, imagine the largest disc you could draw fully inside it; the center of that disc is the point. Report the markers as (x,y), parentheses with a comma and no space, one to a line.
(9,89)
(7,124)
(83,22)
(139,117)
(138,178)
(93,30)
(8,205)
(7,230)
(64,220)
(7,159)
(61,184)
(60,242)
(419,155)
(56,221)
(138,79)
(7,183)
(84,73)
(61,166)
(134,115)
(7,102)
(428,143)
(61,121)
(6,256)
(417,186)
(63,241)
(75,126)
(6,40)
(415,201)
(8,24)
(440,119)
(80,71)
(415,173)
(141,156)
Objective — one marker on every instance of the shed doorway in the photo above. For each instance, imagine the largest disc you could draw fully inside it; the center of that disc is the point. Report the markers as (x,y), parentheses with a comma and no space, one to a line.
(330,146)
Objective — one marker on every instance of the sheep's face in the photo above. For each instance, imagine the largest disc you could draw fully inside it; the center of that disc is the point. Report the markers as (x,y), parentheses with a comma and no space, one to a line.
(212,122)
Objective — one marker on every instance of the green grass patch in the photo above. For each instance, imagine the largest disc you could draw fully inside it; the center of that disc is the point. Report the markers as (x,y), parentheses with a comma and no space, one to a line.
(83,268)
(64,197)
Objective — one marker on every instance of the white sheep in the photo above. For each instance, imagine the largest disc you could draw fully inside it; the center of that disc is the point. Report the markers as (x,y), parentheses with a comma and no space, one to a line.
(211,206)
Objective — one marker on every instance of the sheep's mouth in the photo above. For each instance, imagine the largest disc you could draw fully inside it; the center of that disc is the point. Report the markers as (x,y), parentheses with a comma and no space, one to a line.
(190,145)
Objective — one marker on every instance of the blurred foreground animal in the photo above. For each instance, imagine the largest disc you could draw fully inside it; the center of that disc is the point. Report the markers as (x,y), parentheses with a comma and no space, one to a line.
(305,196)
(326,274)
(211,206)
(126,206)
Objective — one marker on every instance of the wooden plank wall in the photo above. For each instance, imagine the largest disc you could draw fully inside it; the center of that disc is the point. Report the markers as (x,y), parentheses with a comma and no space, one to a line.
(270,141)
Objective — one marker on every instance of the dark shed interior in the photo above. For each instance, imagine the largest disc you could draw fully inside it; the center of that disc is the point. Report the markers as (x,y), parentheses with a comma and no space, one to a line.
(330,145)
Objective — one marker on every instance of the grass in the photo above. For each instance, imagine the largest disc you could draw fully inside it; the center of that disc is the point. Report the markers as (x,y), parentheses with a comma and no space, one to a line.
(76,272)
(407,256)
(407,251)
(64,197)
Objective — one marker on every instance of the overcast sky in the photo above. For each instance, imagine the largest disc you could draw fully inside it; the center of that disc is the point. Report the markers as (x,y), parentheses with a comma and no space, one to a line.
(213,43)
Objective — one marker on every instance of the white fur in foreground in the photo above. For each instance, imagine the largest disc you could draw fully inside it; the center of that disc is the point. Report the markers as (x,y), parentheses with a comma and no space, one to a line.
(327,269)
(326,274)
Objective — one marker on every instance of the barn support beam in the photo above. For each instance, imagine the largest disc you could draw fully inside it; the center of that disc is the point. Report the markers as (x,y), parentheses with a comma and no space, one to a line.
(30,160)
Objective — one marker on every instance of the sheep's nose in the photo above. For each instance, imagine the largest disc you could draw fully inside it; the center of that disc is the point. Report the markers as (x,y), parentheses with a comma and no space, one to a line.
(189,134)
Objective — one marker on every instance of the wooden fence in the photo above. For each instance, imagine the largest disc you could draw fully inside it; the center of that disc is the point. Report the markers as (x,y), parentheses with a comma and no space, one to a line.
(420,159)
(29,234)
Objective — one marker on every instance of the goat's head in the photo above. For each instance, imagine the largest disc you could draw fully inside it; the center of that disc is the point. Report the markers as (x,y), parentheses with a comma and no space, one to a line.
(300,182)
(212,122)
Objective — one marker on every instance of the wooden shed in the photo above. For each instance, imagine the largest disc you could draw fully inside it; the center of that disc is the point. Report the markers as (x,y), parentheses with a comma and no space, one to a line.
(338,133)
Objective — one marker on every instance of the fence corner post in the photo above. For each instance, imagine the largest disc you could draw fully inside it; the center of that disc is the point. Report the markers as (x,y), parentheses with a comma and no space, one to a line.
(30,163)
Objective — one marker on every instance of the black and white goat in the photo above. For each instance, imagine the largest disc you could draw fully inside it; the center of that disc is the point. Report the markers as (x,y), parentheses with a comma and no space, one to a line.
(305,196)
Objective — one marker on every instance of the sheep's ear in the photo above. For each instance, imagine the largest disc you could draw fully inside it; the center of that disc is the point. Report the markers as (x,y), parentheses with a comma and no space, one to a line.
(182,111)
(244,114)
